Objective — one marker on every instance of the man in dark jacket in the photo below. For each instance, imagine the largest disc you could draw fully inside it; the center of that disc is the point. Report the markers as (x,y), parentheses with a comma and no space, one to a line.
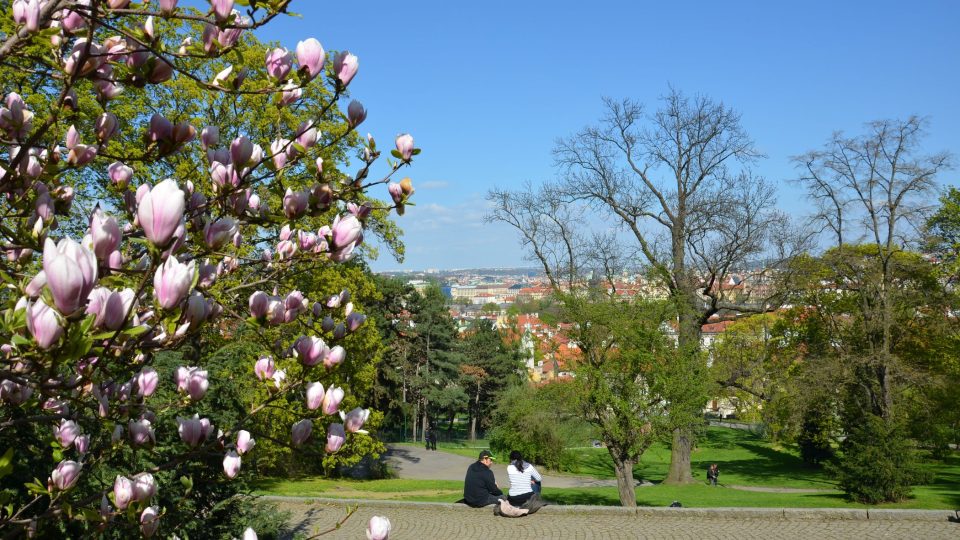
(480,486)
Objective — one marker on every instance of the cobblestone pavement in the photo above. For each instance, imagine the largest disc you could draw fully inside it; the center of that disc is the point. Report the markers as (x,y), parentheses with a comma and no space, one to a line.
(443,521)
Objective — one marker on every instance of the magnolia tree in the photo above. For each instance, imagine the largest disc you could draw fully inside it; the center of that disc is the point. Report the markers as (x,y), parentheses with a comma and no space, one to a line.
(108,265)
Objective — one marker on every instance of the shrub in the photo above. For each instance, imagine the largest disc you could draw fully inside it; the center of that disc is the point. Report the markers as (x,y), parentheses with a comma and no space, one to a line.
(876,463)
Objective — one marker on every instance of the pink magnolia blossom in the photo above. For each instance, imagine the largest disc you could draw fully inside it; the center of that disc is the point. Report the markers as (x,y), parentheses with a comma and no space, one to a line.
(160,212)
(122,492)
(314,395)
(172,282)
(300,431)
(354,420)
(310,56)
(71,271)
(149,521)
(335,357)
(378,528)
(147,381)
(231,464)
(144,487)
(43,324)
(335,438)
(245,442)
(264,368)
(105,233)
(332,399)
(345,66)
(66,474)
(405,146)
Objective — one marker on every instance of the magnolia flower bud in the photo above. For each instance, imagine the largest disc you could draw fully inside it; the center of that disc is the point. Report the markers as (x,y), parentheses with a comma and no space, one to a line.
(310,56)
(354,321)
(356,114)
(405,146)
(300,431)
(43,324)
(193,431)
(167,7)
(231,464)
(259,302)
(81,443)
(122,492)
(149,521)
(314,395)
(240,151)
(209,137)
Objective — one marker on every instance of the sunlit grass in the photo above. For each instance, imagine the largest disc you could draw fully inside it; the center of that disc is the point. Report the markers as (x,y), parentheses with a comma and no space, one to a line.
(744,460)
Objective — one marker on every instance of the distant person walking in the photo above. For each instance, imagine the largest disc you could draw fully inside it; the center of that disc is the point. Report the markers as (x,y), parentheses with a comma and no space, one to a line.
(524,479)
(430,438)
(713,472)
(480,486)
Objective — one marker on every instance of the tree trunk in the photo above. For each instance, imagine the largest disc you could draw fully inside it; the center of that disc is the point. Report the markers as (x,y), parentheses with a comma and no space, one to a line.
(416,417)
(625,483)
(680,458)
(474,414)
(424,423)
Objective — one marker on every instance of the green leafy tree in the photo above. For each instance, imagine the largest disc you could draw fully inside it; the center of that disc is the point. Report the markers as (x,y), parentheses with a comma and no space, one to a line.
(489,368)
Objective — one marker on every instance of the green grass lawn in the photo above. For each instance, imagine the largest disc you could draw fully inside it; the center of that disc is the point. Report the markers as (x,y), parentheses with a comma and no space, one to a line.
(696,496)
(744,460)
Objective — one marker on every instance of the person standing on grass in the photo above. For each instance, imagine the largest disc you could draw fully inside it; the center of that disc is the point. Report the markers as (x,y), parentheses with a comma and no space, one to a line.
(479,486)
(713,472)
(524,479)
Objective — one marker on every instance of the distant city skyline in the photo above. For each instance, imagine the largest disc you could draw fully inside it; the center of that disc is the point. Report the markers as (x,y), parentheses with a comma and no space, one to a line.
(485,89)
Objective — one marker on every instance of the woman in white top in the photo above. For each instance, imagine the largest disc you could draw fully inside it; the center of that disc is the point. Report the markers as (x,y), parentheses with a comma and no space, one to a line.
(523,476)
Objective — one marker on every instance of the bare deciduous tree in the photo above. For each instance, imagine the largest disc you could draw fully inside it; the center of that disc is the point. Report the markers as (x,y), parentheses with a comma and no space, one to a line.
(877,189)
(676,184)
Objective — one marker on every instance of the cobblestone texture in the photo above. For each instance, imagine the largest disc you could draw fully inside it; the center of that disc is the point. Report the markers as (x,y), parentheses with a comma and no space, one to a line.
(443,521)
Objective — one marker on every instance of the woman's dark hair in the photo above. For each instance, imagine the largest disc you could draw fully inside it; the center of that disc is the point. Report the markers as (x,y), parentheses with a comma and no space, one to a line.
(517,459)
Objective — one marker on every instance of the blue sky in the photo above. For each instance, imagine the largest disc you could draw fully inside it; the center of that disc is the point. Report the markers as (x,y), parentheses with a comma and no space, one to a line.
(486,87)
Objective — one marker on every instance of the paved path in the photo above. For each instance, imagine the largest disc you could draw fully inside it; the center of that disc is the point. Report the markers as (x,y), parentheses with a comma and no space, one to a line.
(447,521)
(415,462)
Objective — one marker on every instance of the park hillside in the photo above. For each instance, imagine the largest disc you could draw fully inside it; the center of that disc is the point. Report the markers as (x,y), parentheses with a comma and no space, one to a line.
(189,319)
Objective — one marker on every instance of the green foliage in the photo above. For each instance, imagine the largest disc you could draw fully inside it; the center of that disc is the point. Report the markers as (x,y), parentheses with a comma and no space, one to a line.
(815,439)
(538,422)
(877,462)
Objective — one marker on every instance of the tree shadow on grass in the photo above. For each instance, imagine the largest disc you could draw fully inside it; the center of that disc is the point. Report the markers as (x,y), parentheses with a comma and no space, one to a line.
(768,466)
(582,497)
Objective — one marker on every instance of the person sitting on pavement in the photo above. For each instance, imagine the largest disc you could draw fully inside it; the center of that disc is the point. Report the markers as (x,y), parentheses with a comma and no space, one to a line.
(480,486)
(524,479)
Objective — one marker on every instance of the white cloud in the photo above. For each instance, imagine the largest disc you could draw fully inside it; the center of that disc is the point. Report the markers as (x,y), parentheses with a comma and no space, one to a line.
(432,184)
